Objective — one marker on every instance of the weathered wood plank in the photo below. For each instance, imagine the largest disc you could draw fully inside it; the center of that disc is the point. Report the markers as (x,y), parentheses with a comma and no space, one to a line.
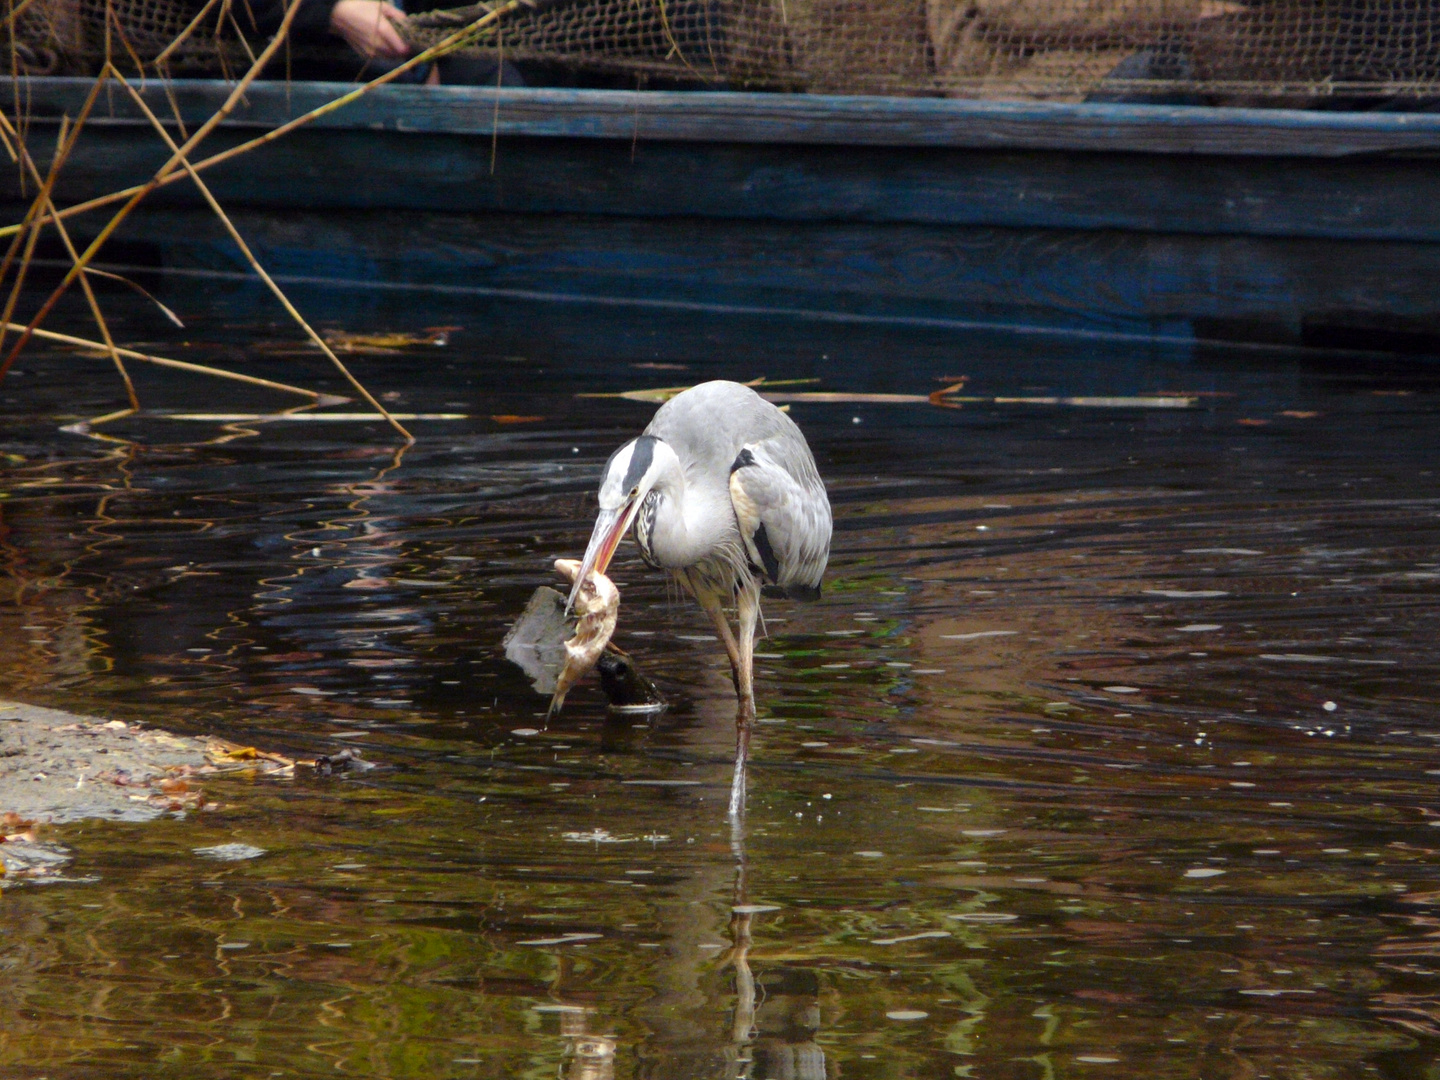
(380,170)
(797,119)
(1110,284)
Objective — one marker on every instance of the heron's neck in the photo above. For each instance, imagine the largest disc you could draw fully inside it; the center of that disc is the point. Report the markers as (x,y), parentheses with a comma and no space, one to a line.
(690,522)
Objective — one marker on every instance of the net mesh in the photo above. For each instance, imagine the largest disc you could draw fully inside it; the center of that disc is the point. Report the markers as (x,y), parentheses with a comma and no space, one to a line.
(1291,50)
(1222,51)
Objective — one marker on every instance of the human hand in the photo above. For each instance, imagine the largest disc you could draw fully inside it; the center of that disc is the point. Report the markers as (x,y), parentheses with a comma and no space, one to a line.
(368,27)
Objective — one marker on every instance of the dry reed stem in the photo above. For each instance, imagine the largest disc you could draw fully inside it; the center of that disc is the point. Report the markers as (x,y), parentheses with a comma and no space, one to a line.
(64,144)
(440,48)
(45,184)
(15,13)
(169,167)
(184,35)
(44,200)
(178,365)
(29,163)
(290,308)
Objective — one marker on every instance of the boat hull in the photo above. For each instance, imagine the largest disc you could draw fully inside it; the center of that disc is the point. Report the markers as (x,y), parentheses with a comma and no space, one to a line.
(1054,218)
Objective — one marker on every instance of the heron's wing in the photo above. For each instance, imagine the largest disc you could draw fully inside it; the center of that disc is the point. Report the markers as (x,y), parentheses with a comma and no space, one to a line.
(784,517)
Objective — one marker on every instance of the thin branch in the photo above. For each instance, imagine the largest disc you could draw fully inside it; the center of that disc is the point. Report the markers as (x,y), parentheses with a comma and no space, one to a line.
(133,285)
(184,34)
(179,365)
(34,171)
(205,192)
(447,45)
(63,147)
(165,170)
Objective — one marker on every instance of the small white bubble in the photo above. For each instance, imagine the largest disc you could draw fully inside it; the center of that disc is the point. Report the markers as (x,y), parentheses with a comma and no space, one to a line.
(854,420)
(1329,706)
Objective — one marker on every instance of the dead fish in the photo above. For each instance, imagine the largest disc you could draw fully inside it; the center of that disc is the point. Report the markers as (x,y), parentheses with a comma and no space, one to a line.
(597,604)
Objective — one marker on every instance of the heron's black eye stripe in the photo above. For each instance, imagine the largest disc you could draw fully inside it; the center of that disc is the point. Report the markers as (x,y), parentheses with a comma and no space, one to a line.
(640,460)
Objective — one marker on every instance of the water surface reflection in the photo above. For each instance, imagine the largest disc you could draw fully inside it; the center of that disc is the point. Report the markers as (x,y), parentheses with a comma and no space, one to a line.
(1110,752)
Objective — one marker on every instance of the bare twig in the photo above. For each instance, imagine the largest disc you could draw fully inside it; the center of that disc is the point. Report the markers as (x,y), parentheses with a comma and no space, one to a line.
(45,186)
(447,45)
(89,270)
(63,146)
(165,170)
(180,365)
(205,192)
(184,35)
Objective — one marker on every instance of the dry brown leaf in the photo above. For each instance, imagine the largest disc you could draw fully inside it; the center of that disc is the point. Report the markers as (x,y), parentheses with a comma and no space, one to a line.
(341,341)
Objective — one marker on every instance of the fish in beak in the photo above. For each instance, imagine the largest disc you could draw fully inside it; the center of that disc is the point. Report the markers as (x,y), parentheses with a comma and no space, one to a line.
(610,529)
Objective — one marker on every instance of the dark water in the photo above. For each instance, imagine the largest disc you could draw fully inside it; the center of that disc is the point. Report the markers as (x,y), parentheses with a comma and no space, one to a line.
(1111,751)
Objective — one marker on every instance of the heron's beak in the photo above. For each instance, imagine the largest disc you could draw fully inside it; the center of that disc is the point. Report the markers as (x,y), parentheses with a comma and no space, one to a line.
(610,527)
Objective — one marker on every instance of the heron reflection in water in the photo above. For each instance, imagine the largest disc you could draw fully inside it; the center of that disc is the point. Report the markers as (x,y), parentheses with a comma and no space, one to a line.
(723,493)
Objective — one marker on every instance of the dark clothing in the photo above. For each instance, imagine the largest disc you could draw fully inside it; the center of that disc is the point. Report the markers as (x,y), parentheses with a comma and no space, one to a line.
(312,21)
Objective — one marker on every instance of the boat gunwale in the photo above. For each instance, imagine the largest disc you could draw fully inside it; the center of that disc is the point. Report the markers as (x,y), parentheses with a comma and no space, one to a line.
(758,118)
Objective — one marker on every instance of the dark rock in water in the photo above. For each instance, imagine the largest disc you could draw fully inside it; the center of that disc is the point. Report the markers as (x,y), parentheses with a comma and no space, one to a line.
(347,760)
(536,644)
(622,682)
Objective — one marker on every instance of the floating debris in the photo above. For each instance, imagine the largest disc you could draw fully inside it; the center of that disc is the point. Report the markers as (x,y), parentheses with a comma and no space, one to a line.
(911,937)
(230,852)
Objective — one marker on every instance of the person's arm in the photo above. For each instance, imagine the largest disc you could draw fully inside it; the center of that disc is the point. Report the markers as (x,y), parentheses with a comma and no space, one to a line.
(264,17)
(368,27)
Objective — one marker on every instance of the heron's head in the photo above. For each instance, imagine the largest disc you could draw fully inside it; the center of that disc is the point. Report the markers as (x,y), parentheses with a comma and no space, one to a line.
(632,473)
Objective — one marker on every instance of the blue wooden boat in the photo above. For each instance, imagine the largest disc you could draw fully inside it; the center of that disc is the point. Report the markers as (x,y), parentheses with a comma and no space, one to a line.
(1124,221)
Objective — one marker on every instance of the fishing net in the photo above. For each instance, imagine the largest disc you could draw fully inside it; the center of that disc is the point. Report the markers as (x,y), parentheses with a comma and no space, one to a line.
(1293,50)
(1225,51)
(70,37)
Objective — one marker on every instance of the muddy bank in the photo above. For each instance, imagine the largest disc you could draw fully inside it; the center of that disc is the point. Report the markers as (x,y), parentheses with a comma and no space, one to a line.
(57,767)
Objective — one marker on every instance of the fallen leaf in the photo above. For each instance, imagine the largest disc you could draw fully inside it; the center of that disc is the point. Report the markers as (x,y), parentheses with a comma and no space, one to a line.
(511,418)
(1248,422)
(1299,414)
(341,341)
(220,754)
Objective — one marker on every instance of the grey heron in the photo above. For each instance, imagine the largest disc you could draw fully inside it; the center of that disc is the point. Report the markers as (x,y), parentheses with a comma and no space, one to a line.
(723,493)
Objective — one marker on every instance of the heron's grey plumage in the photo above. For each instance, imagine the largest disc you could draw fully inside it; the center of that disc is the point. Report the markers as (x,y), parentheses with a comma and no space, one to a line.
(723,493)
(739,450)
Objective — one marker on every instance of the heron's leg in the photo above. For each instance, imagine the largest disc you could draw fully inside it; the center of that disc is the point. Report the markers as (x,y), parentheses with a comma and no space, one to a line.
(747,609)
(711,604)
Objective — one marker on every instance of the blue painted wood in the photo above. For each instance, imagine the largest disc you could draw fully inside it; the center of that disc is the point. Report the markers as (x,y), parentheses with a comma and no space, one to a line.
(791,119)
(1110,284)
(1129,220)
(357,169)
